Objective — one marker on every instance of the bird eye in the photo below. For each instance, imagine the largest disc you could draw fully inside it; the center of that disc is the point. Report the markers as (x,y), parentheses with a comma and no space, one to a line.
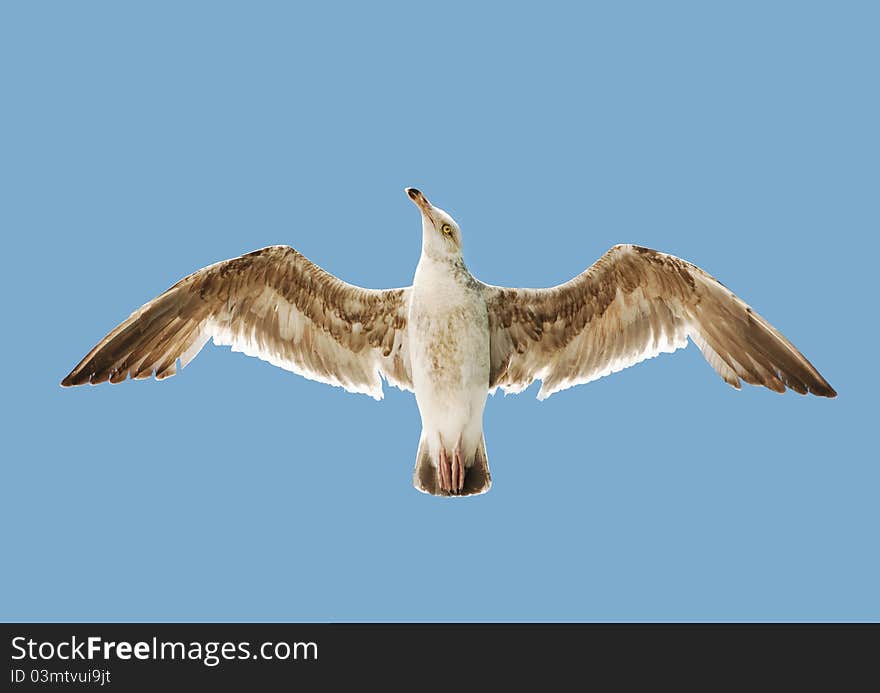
(446,228)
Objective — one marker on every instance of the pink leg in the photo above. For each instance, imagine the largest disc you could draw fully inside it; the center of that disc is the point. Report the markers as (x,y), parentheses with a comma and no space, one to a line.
(445,471)
(457,469)
(454,473)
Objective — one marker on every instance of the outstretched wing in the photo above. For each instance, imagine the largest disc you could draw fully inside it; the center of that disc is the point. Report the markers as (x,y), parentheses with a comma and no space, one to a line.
(633,304)
(274,304)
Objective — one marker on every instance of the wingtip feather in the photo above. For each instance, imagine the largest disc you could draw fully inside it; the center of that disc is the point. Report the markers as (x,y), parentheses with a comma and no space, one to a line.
(824,390)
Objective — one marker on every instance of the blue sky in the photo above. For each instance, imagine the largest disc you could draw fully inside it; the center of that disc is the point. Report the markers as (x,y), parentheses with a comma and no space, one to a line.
(142,142)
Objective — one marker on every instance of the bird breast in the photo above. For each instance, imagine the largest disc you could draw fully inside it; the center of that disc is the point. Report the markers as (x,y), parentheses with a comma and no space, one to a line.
(449,330)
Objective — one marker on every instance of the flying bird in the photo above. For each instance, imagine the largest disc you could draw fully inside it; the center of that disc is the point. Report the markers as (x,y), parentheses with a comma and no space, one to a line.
(449,338)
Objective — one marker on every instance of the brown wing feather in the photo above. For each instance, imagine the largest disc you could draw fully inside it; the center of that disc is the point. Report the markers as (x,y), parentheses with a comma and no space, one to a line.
(274,304)
(632,304)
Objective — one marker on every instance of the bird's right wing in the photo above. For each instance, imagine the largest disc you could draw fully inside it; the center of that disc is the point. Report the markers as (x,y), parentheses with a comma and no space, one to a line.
(274,304)
(632,304)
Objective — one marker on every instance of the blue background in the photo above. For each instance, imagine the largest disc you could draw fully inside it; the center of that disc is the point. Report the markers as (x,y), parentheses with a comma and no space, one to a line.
(143,142)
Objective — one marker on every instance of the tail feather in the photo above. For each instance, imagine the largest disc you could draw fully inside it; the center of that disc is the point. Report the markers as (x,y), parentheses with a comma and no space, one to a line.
(478,479)
(425,475)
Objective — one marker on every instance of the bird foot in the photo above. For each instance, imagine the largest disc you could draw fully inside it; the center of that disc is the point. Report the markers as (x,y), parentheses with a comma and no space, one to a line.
(451,472)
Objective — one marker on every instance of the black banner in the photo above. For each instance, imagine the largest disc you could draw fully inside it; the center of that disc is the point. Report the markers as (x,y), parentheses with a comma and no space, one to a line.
(149,656)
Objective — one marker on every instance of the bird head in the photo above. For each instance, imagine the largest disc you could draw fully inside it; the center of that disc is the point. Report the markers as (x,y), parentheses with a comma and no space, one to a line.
(441,237)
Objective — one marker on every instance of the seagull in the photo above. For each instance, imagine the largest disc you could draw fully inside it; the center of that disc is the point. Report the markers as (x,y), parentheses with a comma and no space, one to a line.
(449,338)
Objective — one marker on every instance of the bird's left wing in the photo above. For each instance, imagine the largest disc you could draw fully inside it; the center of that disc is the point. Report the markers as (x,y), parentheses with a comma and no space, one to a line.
(633,304)
(272,303)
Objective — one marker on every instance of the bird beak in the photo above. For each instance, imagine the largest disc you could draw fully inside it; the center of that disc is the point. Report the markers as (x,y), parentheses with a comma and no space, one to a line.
(420,200)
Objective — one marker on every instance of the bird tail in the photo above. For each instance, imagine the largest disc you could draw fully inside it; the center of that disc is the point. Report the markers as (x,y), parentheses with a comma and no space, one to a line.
(477,478)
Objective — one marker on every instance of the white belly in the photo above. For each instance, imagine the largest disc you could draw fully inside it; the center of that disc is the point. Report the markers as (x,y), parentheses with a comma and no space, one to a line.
(449,348)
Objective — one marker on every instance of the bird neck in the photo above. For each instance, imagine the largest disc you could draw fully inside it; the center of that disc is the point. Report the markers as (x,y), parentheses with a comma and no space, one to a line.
(434,270)
(441,261)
